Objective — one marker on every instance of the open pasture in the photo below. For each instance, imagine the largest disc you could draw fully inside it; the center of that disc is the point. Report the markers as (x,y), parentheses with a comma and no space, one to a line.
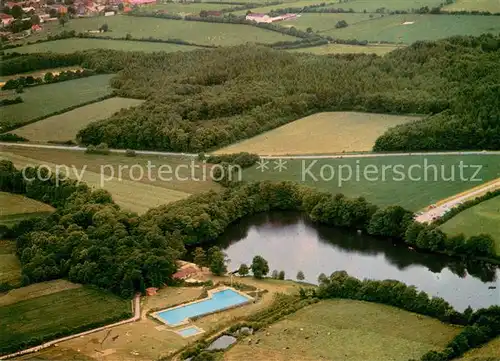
(493,6)
(129,190)
(192,31)
(48,98)
(411,181)
(321,133)
(10,267)
(16,207)
(392,28)
(482,218)
(323,22)
(185,8)
(388,5)
(36,290)
(45,315)
(346,330)
(65,126)
(287,4)
(347,49)
(72,45)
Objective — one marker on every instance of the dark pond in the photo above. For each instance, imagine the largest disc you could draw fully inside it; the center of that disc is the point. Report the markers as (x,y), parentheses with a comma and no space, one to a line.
(290,242)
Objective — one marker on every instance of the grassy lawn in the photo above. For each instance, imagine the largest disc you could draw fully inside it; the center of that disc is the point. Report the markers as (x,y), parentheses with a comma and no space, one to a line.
(482,218)
(64,126)
(346,49)
(45,315)
(130,192)
(10,267)
(326,22)
(396,187)
(321,133)
(489,352)
(16,207)
(36,290)
(185,8)
(72,45)
(372,6)
(288,4)
(192,31)
(422,27)
(493,6)
(45,99)
(346,330)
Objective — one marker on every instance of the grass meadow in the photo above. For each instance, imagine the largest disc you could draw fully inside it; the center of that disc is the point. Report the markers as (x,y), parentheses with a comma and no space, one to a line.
(321,133)
(129,192)
(423,27)
(45,315)
(346,330)
(16,207)
(192,31)
(493,6)
(185,8)
(391,186)
(48,98)
(346,49)
(371,6)
(326,22)
(36,290)
(10,267)
(482,218)
(65,126)
(72,45)
(288,4)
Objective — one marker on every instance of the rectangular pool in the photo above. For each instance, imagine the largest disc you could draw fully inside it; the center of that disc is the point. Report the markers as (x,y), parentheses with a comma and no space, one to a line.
(217,301)
(189,331)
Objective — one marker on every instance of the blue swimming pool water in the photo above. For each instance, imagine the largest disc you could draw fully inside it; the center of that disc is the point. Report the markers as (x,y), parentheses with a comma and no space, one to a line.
(189,331)
(219,301)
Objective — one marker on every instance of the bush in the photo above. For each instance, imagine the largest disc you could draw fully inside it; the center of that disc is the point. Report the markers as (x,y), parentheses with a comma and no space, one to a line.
(130,153)
(9,137)
(99,149)
(5,102)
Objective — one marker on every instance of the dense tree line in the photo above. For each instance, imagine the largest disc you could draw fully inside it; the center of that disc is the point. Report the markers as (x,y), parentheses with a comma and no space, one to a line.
(49,77)
(16,63)
(197,101)
(481,326)
(88,239)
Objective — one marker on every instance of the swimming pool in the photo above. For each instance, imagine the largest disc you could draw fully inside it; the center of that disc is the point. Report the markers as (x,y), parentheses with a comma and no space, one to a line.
(189,331)
(217,301)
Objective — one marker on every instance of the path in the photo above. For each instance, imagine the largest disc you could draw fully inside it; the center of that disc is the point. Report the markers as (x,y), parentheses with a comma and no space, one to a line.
(136,304)
(305,156)
(441,208)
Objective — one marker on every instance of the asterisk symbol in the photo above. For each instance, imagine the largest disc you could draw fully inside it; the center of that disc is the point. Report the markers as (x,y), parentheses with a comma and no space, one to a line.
(280,165)
(262,165)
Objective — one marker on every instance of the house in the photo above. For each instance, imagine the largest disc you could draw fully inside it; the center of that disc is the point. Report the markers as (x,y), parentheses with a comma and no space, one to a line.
(29,9)
(109,13)
(140,2)
(264,18)
(151,291)
(213,13)
(6,19)
(36,28)
(185,273)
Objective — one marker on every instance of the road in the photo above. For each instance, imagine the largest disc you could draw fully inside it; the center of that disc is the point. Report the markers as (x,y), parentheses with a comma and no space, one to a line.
(441,209)
(305,156)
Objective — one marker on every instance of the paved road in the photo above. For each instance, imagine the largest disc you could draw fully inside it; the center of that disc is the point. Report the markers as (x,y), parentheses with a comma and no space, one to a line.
(324,156)
(440,210)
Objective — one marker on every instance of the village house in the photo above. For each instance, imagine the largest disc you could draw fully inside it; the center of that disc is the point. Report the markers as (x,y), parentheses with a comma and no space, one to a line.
(264,18)
(6,19)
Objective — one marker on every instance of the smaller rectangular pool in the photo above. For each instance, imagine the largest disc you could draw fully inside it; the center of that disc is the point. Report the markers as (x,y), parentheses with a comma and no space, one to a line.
(217,301)
(189,331)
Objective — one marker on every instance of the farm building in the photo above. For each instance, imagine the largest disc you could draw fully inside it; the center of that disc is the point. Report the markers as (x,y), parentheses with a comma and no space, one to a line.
(151,291)
(140,2)
(6,19)
(185,273)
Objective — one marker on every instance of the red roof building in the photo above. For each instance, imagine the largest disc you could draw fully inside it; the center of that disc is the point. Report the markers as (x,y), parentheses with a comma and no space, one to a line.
(185,273)
(6,19)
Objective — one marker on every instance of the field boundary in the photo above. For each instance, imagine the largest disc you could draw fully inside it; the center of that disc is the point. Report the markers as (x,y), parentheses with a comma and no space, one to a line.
(136,309)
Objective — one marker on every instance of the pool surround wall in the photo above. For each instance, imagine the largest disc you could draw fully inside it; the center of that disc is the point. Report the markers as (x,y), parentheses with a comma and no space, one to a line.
(200,331)
(186,321)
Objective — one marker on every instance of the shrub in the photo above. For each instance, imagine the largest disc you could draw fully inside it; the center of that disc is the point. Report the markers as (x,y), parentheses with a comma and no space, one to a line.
(130,153)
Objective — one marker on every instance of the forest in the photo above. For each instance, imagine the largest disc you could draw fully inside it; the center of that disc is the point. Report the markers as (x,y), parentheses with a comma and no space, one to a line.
(198,101)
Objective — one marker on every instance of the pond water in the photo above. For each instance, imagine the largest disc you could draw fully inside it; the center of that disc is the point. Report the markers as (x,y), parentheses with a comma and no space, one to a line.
(290,242)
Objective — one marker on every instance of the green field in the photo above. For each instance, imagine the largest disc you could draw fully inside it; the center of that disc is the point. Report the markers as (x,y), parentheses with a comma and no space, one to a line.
(388,5)
(192,31)
(72,45)
(493,6)
(267,9)
(421,27)
(346,330)
(64,126)
(10,267)
(482,218)
(346,49)
(48,98)
(397,188)
(43,316)
(16,207)
(185,8)
(326,22)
